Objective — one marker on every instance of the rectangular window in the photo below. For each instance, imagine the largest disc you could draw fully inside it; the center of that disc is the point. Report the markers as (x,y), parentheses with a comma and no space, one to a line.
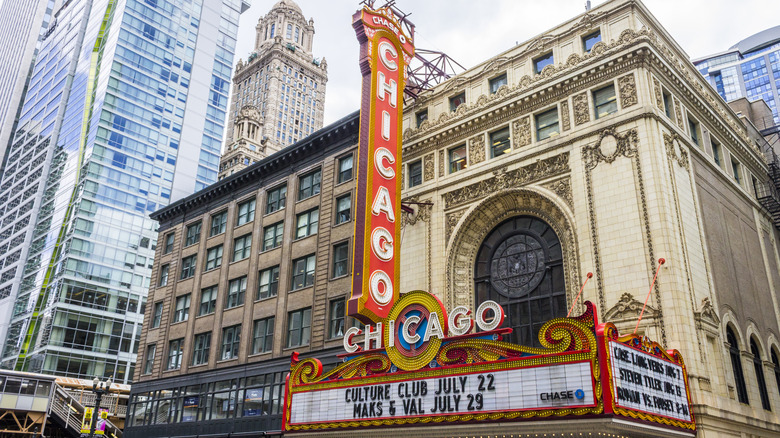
(214,258)
(273,235)
(263,335)
(182,311)
(605,101)
(340,259)
(497,83)
(415,173)
(208,300)
(268,283)
(543,61)
(164,275)
(456,101)
(231,340)
(421,116)
(242,247)
(218,224)
(309,185)
(736,171)
(457,158)
(303,272)
(667,98)
(193,234)
(200,350)
(246,212)
(188,266)
(169,238)
(547,124)
(307,223)
(345,169)
(343,208)
(276,199)
(695,133)
(298,327)
(157,316)
(499,143)
(717,153)
(337,313)
(175,350)
(151,350)
(236,291)
(590,39)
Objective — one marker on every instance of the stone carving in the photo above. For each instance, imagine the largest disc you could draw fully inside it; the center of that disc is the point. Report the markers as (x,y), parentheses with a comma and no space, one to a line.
(422,211)
(477,150)
(678,113)
(562,188)
(495,64)
(521,132)
(565,124)
(628,308)
(452,221)
(504,179)
(672,143)
(707,312)
(573,60)
(626,147)
(627,87)
(658,98)
(441,163)
(428,171)
(581,110)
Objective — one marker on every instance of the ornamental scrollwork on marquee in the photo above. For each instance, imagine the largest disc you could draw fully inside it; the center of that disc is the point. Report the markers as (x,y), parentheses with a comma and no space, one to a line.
(581,109)
(628,94)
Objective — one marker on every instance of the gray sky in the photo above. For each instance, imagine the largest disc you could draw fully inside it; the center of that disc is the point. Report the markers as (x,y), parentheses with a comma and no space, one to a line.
(471,31)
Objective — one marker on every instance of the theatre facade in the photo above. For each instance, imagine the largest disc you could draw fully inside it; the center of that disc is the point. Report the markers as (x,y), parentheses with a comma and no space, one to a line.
(594,147)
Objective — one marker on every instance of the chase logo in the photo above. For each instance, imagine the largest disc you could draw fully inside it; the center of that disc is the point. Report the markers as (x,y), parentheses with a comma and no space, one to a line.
(562,395)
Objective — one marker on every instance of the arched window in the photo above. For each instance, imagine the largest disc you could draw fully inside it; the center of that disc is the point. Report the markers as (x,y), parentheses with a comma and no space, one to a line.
(520,266)
(759,367)
(289,32)
(736,365)
(297,33)
(776,364)
(273,27)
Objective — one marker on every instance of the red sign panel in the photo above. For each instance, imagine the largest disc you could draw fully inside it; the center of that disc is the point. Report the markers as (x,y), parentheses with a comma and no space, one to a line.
(385,51)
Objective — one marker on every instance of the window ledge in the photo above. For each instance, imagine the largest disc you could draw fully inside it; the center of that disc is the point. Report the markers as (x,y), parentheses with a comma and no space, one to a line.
(261,354)
(295,347)
(267,298)
(342,223)
(232,359)
(302,288)
(273,212)
(200,365)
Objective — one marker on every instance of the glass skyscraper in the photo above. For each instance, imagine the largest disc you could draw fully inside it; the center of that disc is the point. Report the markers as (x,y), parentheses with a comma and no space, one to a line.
(124,113)
(750,68)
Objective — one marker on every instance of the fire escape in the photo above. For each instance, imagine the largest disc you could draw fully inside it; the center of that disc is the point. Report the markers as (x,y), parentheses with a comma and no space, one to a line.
(768,192)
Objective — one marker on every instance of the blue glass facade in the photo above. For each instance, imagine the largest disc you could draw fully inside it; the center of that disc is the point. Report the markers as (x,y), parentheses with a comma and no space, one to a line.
(134,135)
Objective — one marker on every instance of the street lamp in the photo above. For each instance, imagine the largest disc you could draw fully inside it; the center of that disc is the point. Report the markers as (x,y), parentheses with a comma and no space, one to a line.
(99,387)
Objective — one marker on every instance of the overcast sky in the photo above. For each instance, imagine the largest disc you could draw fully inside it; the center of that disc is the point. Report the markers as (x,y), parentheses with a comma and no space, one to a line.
(472,31)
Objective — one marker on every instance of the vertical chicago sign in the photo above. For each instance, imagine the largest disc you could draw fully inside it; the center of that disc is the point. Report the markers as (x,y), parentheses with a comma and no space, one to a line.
(385,51)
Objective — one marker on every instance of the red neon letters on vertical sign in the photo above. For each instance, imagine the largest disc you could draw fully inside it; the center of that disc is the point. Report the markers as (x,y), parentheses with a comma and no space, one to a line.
(385,51)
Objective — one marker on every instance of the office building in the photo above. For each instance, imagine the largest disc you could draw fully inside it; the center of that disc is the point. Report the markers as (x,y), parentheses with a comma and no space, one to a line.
(124,113)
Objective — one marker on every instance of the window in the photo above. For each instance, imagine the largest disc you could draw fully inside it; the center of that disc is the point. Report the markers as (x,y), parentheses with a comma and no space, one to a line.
(168,247)
(695,133)
(589,40)
(268,283)
(736,365)
(343,208)
(604,101)
(273,236)
(667,98)
(188,266)
(200,351)
(543,61)
(182,311)
(457,158)
(241,247)
(415,173)
(345,169)
(340,259)
(298,327)
(456,101)
(736,170)
(309,185)
(421,116)
(547,124)
(208,300)
(500,143)
(175,350)
(218,223)
(337,313)
(193,234)
(307,223)
(303,272)
(289,32)
(263,335)
(276,199)
(236,291)
(164,275)
(157,317)
(776,366)
(149,358)
(246,212)
(717,153)
(759,368)
(497,83)
(231,340)
(214,258)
